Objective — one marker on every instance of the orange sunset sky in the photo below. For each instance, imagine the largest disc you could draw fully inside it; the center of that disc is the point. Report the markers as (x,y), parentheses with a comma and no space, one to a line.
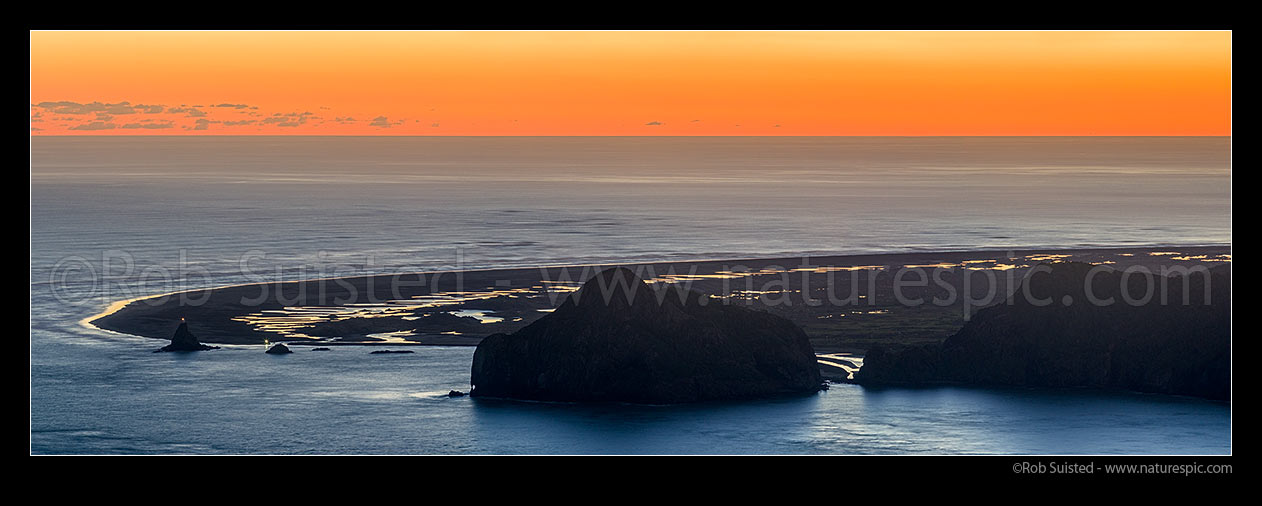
(630,83)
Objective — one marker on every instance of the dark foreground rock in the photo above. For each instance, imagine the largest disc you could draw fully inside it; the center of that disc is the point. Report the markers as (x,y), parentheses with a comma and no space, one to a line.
(321,349)
(279,349)
(1181,346)
(455,393)
(183,340)
(616,339)
(389,352)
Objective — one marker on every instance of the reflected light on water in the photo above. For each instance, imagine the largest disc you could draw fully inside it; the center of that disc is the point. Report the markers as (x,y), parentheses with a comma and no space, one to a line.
(1046,258)
(480,314)
(289,321)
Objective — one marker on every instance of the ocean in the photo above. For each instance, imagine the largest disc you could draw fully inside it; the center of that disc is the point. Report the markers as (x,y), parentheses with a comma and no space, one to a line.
(114,218)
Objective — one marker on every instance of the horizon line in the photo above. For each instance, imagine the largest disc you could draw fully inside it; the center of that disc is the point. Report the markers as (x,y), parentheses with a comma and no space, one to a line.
(33,136)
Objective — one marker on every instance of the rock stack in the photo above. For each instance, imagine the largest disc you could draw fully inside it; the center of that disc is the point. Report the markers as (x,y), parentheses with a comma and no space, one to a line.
(183,340)
(616,339)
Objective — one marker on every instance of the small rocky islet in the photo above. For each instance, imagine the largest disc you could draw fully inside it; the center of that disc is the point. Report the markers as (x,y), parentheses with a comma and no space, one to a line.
(279,349)
(184,340)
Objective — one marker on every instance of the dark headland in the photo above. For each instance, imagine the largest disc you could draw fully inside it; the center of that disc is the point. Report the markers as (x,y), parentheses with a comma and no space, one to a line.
(617,339)
(1158,334)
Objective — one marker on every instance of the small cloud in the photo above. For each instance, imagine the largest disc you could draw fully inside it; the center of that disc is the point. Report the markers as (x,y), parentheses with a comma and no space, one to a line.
(694,121)
(149,109)
(435,125)
(120,108)
(67,107)
(344,119)
(62,107)
(201,124)
(36,129)
(147,126)
(325,107)
(380,122)
(287,120)
(653,123)
(777,126)
(95,125)
(190,111)
(239,122)
(233,106)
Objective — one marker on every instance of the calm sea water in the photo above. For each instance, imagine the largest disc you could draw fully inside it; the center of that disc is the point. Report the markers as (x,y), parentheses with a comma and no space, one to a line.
(114,218)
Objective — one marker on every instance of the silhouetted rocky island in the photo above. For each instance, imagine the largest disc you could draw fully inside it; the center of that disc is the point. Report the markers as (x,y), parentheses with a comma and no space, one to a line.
(1056,337)
(278,349)
(183,340)
(617,339)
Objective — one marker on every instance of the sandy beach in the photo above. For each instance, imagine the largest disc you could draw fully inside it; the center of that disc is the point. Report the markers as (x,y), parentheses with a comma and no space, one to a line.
(844,303)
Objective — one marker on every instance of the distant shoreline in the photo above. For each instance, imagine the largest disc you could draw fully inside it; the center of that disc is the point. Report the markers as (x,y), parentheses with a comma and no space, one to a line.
(116,305)
(213,320)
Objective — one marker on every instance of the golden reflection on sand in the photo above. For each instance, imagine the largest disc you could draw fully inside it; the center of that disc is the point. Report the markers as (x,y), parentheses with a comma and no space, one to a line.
(289,320)
(752,294)
(675,278)
(1045,258)
(114,307)
(398,337)
(999,267)
(848,268)
(480,314)
(844,361)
